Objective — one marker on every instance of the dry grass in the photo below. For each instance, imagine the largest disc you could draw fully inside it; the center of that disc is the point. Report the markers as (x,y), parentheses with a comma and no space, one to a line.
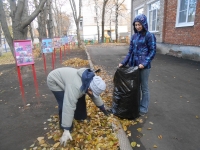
(7,58)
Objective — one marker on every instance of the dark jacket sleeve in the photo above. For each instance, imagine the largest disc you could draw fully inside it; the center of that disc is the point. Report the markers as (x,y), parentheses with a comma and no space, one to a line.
(126,59)
(151,44)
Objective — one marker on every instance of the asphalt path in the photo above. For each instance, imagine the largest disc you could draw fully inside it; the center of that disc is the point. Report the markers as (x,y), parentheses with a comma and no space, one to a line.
(174,110)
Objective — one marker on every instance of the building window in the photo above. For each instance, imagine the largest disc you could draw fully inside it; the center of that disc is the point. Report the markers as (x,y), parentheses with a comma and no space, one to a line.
(186,13)
(154,16)
(139,11)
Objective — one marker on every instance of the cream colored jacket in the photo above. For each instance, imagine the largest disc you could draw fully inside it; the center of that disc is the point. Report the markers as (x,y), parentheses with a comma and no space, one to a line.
(69,80)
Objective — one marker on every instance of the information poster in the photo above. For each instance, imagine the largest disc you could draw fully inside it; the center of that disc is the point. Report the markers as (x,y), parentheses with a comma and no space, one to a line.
(63,40)
(66,40)
(47,45)
(57,42)
(23,52)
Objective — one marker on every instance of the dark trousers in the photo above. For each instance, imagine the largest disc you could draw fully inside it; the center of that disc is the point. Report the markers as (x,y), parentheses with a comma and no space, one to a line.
(80,112)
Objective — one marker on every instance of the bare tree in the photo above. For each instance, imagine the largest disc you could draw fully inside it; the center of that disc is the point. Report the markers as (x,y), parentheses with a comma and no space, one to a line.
(117,11)
(97,16)
(30,26)
(42,20)
(20,20)
(60,18)
(103,18)
(50,19)
(57,6)
(76,18)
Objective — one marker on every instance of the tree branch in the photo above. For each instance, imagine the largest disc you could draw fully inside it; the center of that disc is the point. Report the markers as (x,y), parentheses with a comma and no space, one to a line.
(33,15)
(73,7)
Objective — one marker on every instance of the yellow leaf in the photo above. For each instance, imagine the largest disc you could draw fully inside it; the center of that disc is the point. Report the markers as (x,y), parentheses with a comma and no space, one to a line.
(41,142)
(155,146)
(56,144)
(89,137)
(125,128)
(40,138)
(139,129)
(151,122)
(148,128)
(133,144)
(160,136)
(197,117)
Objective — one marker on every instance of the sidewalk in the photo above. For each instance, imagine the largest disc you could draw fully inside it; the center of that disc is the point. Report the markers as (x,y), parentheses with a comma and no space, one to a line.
(172,122)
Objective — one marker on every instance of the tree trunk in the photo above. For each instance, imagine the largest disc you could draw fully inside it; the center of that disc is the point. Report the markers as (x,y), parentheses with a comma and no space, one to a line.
(97,20)
(49,20)
(76,18)
(0,36)
(1,49)
(103,18)
(5,27)
(31,32)
(116,21)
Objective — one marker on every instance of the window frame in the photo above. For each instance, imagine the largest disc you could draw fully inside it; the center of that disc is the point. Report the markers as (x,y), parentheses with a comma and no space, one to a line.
(148,10)
(136,9)
(185,24)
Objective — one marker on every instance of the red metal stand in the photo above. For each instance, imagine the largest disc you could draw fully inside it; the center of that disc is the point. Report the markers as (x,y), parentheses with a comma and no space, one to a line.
(21,85)
(60,55)
(35,80)
(68,47)
(65,50)
(54,51)
(52,56)
(44,58)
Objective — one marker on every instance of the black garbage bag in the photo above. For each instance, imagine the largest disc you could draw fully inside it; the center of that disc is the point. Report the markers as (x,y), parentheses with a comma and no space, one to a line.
(126,94)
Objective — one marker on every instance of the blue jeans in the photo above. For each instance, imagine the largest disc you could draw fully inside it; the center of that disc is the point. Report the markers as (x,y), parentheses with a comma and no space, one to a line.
(144,103)
(80,112)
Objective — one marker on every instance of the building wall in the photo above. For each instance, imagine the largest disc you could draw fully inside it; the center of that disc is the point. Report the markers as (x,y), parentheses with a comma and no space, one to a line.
(181,35)
(137,3)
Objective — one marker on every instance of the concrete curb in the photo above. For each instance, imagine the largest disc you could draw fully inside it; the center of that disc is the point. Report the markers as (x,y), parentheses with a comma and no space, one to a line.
(124,142)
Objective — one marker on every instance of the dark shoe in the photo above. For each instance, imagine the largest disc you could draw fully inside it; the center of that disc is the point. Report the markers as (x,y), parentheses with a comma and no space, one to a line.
(83,120)
(142,114)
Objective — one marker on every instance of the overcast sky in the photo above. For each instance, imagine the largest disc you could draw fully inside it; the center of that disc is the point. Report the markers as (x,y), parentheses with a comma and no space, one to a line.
(67,8)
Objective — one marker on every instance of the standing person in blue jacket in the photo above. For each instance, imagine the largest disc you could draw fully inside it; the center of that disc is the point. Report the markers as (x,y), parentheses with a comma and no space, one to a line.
(69,85)
(141,52)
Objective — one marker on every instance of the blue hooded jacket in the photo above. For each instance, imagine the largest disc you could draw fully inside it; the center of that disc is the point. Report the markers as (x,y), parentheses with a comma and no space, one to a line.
(142,47)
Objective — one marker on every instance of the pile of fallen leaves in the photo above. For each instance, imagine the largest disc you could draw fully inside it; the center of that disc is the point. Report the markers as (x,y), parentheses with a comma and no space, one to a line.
(76,62)
(96,133)
(36,52)
(99,132)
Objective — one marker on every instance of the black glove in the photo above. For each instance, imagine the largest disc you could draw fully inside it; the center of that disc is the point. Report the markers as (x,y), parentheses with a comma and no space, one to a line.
(106,112)
(102,108)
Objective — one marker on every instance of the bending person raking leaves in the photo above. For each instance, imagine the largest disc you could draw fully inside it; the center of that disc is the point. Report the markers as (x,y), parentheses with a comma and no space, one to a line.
(69,86)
